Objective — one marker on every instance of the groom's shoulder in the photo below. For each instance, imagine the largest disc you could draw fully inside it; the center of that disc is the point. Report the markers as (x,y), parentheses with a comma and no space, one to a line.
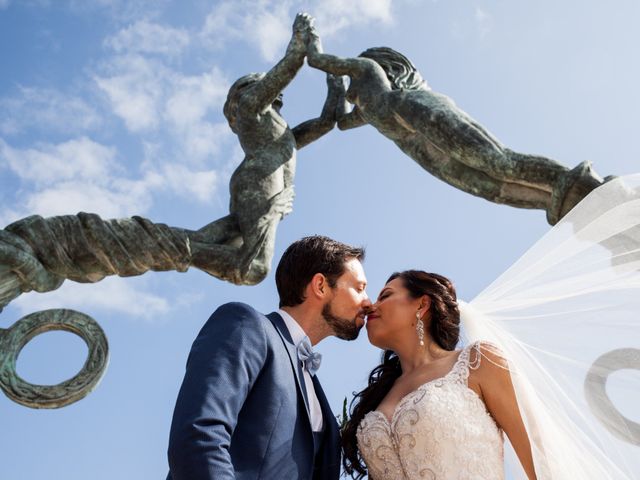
(235,318)
(240,310)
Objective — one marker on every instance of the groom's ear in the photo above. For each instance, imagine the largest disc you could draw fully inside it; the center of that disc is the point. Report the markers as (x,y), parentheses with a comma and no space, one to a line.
(318,286)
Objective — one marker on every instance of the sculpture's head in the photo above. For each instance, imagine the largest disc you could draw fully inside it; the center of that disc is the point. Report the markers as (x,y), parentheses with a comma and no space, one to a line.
(402,74)
(236,91)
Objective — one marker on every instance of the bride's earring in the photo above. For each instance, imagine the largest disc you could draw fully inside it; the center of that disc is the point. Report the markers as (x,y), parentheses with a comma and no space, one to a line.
(420,328)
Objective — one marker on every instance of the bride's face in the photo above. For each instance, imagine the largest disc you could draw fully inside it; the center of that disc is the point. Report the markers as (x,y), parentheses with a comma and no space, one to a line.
(392,318)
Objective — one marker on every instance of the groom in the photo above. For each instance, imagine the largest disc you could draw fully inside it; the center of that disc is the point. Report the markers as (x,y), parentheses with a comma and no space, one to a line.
(250,405)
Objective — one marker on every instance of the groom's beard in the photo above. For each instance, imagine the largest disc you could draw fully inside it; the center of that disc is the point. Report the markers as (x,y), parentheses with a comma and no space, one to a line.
(343,328)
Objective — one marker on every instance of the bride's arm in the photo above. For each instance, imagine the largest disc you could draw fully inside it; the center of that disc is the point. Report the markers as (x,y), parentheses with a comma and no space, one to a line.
(494,380)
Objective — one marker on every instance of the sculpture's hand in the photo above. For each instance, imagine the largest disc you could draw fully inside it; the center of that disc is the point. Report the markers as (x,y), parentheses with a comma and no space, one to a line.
(336,85)
(336,91)
(302,23)
(301,26)
(314,46)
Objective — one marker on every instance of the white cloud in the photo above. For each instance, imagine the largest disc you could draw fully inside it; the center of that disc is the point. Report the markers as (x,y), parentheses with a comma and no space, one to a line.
(134,87)
(80,159)
(67,198)
(153,99)
(146,37)
(271,32)
(193,97)
(266,24)
(46,109)
(77,175)
(224,23)
(185,182)
(191,100)
(83,175)
(336,15)
(119,10)
(111,294)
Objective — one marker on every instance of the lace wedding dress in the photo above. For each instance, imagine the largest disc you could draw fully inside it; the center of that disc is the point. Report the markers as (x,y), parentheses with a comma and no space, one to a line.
(442,430)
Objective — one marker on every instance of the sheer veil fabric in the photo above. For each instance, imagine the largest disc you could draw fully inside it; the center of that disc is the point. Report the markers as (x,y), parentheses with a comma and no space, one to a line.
(566,316)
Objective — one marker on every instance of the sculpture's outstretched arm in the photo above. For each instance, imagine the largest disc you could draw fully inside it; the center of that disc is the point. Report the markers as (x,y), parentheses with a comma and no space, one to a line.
(264,92)
(313,129)
(353,119)
(316,58)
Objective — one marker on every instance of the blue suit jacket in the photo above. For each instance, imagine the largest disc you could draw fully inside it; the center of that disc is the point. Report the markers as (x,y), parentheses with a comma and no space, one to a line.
(241,412)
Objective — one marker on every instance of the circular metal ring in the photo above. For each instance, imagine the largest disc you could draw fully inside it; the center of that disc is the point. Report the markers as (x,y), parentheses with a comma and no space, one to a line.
(13,340)
(598,400)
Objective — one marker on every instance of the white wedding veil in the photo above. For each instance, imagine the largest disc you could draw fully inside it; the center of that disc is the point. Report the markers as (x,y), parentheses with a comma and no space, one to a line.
(567,319)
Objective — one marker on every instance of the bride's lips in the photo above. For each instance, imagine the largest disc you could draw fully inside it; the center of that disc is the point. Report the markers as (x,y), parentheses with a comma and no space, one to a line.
(372,316)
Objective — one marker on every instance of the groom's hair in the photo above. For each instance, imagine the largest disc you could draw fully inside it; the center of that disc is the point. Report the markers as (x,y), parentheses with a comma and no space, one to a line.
(306,257)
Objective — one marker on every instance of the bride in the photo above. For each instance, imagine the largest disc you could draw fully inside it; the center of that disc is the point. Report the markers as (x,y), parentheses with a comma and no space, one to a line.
(543,388)
(431,411)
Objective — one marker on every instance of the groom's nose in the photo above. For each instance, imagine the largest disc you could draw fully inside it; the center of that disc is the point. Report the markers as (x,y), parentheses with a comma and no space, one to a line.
(366,303)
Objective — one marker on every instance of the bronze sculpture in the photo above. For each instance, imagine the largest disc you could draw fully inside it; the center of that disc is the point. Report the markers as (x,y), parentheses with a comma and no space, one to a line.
(40,254)
(388,92)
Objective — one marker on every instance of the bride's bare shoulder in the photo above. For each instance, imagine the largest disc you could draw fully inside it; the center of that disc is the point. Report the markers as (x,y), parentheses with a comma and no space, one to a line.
(487,362)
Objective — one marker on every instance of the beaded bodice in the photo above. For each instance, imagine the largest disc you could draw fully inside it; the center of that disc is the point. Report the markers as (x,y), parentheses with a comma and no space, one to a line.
(442,430)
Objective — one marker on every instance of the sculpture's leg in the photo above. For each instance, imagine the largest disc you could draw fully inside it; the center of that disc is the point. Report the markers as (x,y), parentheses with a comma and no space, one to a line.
(563,188)
(557,187)
(537,181)
(468,177)
(246,264)
(250,262)
(570,189)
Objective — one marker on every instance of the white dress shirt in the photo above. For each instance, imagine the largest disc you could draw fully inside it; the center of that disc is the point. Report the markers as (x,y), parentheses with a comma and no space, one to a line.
(297,334)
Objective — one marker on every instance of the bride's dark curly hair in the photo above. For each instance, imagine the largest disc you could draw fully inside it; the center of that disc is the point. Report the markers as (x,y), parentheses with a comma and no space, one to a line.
(444,329)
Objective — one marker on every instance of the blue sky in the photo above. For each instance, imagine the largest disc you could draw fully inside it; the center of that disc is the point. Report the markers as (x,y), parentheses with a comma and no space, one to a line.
(115,107)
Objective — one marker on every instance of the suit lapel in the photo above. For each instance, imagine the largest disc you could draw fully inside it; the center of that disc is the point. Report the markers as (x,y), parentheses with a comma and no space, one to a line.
(328,461)
(283,331)
(327,414)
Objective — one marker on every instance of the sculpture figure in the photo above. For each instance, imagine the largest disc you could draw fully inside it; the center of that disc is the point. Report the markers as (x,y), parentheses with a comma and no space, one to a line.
(388,93)
(262,186)
(39,254)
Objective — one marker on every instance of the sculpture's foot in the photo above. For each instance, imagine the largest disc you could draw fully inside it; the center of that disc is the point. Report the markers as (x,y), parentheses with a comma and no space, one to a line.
(571,188)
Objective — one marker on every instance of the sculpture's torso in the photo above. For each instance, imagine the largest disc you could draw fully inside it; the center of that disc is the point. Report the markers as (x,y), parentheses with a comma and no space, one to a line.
(269,163)
(442,430)
(440,137)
